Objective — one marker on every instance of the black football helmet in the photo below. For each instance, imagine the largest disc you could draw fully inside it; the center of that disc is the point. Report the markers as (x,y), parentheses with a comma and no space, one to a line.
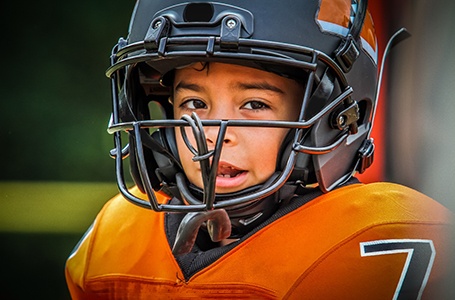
(328,45)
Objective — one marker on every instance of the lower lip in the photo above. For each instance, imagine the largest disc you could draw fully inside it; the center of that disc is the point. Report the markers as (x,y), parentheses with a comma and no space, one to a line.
(223,182)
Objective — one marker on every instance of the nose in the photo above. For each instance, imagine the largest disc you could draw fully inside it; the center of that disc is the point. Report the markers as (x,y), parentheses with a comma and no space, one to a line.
(221,110)
(213,132)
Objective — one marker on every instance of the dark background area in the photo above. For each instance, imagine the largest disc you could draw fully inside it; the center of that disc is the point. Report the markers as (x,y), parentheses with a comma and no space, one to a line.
(32,270)
(54,106)
(55,99)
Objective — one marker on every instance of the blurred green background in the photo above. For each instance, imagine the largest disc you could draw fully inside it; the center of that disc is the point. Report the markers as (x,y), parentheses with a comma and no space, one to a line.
(55,104)
(55,99)
(55,171)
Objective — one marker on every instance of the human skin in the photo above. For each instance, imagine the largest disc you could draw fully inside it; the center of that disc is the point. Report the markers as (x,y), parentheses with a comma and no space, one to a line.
(226,91)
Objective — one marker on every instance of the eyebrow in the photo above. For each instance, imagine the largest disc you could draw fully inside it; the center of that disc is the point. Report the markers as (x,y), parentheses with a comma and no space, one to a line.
(261,85)
(188,86)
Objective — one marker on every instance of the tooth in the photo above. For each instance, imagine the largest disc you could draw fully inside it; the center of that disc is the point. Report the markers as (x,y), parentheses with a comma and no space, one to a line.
(224,176)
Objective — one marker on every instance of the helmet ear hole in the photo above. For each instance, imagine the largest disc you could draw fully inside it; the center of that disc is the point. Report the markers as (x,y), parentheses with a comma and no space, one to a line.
(364,112)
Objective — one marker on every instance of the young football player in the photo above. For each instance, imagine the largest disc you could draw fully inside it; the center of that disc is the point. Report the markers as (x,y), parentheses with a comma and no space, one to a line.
(246,122)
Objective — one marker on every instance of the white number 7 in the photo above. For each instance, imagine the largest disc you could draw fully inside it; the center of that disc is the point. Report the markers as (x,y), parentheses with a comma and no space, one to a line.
(417,268)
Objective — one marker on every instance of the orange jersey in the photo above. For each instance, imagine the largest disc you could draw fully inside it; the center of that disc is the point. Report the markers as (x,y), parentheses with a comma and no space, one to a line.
(361,241)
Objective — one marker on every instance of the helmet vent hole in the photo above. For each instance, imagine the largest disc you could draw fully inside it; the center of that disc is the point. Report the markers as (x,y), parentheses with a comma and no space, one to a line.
(198,12)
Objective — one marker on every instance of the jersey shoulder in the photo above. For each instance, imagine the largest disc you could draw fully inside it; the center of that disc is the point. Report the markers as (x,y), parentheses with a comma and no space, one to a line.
(122,232)
(376,229)
(393,201)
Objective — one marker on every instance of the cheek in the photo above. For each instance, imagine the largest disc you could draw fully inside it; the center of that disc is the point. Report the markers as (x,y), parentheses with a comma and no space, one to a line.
(265,145)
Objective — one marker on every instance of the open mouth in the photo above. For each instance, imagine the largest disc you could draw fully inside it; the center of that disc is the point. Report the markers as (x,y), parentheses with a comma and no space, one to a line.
(228,172)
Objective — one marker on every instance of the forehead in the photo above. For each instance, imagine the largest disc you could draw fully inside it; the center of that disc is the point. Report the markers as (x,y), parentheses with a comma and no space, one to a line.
(229,74)
(218,68)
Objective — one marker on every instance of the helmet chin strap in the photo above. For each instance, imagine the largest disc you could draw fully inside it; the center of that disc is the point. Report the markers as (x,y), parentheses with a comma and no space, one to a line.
(217,223)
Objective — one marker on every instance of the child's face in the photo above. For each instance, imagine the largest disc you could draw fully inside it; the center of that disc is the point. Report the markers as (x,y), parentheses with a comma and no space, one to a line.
(224,91)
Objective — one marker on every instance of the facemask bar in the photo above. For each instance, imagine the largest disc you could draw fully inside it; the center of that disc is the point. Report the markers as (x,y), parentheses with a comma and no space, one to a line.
(203,156)
(143,54)
(168,47)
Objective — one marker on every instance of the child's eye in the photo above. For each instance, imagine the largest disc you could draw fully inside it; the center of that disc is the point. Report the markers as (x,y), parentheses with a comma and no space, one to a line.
(255,105)
(193,104)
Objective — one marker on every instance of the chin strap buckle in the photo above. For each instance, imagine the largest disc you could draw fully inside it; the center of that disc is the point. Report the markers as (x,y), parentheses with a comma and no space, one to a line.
(366,155)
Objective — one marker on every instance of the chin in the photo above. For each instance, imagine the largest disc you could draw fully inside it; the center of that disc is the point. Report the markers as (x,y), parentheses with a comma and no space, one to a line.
(222,191)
